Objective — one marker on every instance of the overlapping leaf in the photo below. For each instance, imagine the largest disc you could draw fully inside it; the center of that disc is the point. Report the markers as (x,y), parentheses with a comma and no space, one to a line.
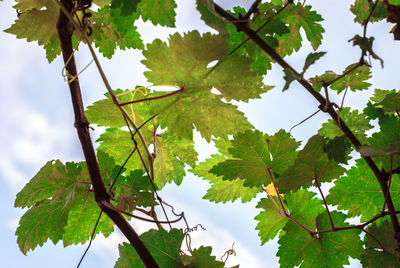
(300,17)
(301,205)
(127,6)
(357,122)
(251,157)
(160,12)
(373,255)
(270,33)
(332,249)
(111,29)
(163,246)
(183,64)
(312,162)
(362,8)
(359,192)
(171,154)
(210,16)
(201,257)
(355,80)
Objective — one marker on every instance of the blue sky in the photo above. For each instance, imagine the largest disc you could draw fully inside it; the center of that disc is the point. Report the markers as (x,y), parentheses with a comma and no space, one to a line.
(37,125)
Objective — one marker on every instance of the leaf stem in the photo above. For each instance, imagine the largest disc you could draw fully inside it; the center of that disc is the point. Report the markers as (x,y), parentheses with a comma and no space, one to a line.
(325,203)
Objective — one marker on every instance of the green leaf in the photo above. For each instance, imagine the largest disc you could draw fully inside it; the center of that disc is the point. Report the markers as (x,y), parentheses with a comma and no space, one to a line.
(359,192)
(251,160)
(331,249)
(139,192)
(365,43)
(183,64)
(53,180)
(82,219)
(171,154)
(311,59)
(357,122)
(202,258)
(112,29)
(302,205)
(355,80)
(373,255)
(251,157)
(45,220)
(297,17)
(210,16)
(311,162)
(319,80)
(220,190)
(53,50)
(289,77)
(270,33)
(362,8)
(390,103)
(127,6)
(160,12)
(163,246)
(338,149)
(394,2)
(37,24)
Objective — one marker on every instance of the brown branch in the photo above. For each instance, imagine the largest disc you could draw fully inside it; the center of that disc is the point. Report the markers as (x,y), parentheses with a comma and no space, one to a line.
(381,177)
(65,30)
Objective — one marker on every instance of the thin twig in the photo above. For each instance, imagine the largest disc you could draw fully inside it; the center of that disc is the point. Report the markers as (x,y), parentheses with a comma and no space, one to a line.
(304,120)
(325,203)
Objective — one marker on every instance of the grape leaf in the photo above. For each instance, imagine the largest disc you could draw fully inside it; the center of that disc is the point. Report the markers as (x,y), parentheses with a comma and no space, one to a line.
(251,157)
(357,122)
(160,12)
(311,59)
(45,220)
(210,17)
(53,179)
(338,149)
(373,255)
(289,77)
(354,80)
(297,17)
(111,28)
(269,32)
(37,24)
(163,246)
(184,65)
(301,204)
(332,249)
(311,162)
(251,160)
(319,80)
(359,192)
(139,192)
(390,103)
(365,43)
(220,190)
(394,2)
(127,6)
(53,50)
(171,154)
(201,257)
(380,94)
(82,219)
(362,8)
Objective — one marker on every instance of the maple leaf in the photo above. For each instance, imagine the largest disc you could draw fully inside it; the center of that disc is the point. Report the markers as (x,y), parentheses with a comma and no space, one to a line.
(362,8)
(301,204)
(297,17)
(163,246)
(373,255)
(357,122)
(331,249)
(160,12)
(311,162)
(110,29)
(359,192)
(183,64)
(82,218)
(30,232)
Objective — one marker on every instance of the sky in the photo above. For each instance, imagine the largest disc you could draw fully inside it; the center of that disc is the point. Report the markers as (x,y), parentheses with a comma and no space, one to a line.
(36,120)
